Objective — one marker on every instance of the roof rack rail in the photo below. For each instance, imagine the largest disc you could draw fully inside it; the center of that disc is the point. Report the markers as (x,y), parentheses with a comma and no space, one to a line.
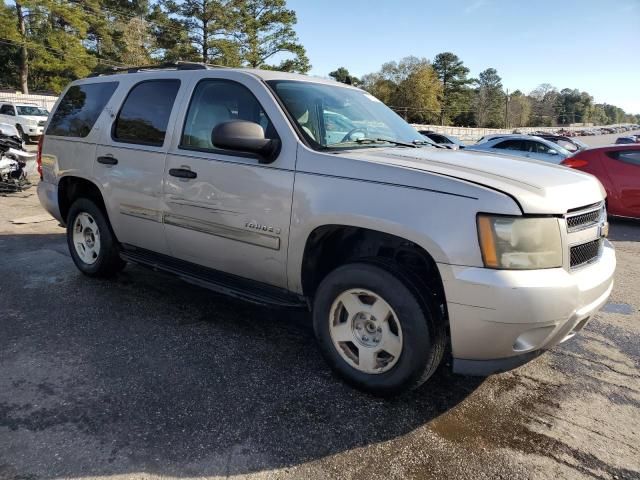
(179,65)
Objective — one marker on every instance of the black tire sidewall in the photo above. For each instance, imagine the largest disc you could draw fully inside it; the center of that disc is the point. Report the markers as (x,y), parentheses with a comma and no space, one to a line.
(412,316)
(107,245)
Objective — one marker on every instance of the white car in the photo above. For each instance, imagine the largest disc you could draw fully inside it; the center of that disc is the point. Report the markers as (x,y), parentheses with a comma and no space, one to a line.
(527,146)
(29,119)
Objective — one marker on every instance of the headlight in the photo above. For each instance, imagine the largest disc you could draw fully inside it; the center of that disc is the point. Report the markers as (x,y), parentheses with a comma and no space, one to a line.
(519,243)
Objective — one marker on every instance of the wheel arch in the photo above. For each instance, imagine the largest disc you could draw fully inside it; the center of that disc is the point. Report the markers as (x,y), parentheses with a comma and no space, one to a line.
(331,245)
(71,187)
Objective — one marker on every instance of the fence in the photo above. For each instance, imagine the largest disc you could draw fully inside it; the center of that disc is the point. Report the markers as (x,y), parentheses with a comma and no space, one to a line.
(45,101)
(469,134)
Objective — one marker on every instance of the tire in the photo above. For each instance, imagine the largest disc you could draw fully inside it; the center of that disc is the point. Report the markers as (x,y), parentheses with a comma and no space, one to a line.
(92,244)
(408,343)
(23,136)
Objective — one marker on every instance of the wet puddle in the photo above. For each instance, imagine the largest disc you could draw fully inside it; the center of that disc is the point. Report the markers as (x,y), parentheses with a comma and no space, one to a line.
(621,308)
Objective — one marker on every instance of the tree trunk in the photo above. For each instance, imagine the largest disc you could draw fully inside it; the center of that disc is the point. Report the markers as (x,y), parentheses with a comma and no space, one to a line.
(24,53)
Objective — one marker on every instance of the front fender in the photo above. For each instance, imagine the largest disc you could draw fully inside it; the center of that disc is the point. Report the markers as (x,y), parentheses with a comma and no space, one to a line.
(443,224)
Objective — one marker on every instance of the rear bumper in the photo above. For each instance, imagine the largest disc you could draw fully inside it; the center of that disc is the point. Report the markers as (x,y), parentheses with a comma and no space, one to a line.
(48,195)
(500,319)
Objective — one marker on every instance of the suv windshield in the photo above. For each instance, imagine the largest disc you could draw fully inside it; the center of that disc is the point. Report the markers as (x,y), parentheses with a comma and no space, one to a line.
(31,110)
(335,117)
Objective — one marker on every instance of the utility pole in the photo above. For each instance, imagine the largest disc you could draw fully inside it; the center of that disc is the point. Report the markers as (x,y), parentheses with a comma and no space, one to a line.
(24,53)
(506,110)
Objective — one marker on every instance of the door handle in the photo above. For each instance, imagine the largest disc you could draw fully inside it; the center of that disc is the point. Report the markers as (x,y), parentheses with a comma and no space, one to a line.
(108,160)
(182,173)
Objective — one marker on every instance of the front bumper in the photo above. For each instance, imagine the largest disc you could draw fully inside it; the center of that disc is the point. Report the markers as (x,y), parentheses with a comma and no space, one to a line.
(34,131)
(500,319)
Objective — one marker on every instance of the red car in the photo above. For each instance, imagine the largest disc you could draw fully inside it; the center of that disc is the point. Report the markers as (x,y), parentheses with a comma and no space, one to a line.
(618,169)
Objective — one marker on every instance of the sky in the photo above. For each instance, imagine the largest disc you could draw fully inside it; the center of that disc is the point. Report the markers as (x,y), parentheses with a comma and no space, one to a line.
(591,45)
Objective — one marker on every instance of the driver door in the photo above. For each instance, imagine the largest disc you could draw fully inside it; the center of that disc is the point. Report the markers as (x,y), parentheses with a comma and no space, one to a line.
(226,210)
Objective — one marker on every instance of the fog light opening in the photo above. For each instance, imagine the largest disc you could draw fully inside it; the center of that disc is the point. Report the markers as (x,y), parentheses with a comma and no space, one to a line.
(532,339)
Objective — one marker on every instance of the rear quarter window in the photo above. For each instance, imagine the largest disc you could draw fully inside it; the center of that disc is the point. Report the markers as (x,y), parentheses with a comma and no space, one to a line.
(80,108)
(627,156)
(145,113)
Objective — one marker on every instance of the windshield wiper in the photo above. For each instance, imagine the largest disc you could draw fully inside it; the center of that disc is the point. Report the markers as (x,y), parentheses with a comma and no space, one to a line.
(385,140)
(426,142)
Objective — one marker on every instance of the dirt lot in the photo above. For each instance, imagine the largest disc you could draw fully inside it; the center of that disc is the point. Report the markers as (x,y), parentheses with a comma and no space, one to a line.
(148,377)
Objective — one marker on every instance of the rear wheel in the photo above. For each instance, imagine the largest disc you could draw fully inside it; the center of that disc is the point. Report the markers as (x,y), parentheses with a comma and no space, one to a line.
(375,330)
(92,245)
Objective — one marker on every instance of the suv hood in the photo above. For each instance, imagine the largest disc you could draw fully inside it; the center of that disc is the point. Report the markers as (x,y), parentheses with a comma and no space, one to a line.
(538,187)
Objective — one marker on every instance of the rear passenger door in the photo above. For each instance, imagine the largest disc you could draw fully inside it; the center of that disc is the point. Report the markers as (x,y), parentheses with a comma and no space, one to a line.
(513,147)
(130,161)
(226,210)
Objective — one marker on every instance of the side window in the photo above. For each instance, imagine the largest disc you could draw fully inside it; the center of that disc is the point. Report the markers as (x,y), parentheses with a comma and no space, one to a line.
(217,101)
(145,113)
(80,108)
(540,147)
(567,145)
(510,145)
(7,110)
(627,156)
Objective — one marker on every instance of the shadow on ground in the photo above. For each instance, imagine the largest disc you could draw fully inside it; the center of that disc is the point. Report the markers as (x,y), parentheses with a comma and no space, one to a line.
(146,373)
(624,230)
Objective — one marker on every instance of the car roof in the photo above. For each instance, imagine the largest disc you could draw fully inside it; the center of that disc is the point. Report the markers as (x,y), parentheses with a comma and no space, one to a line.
(517,136)
(613,147)
(146,73)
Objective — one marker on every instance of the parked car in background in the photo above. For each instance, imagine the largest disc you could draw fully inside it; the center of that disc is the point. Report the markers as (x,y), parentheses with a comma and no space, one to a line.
(526,146)
(626,140)
(493,136)
(9,130)
(28,118)
(445,140)
(570,144)
(618,169)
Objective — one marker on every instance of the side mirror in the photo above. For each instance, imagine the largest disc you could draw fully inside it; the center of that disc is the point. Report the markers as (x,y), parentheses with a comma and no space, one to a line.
(552,152)
(243,136)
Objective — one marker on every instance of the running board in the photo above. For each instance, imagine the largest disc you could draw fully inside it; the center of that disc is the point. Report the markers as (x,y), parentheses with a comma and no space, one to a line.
(219,282)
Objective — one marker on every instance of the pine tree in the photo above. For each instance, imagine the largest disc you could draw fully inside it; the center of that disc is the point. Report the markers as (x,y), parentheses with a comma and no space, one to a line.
(264,31)
(455,86)
(489,102)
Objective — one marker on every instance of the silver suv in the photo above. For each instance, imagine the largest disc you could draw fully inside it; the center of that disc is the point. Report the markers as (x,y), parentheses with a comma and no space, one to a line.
(292,191)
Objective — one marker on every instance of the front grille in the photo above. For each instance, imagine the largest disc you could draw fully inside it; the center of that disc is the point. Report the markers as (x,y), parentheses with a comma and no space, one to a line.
(585,253)
(584,220)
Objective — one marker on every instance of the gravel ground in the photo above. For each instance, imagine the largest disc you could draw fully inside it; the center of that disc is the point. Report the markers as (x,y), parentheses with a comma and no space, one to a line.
(148,377)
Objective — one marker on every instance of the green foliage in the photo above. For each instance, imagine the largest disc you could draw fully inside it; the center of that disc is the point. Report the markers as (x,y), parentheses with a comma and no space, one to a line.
(67,39)
(455,86)
(342,75)
(489,102)
(208,24)
(50,48)
(410,86)
(263,31)
(519,110)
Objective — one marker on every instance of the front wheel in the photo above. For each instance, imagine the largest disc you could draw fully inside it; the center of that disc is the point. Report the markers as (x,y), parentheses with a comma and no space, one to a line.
(92,245)
(375,331)
(23,136)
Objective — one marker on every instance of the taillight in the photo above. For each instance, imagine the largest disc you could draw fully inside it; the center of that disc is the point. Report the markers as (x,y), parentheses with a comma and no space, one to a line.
(39,156)
(574,162)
